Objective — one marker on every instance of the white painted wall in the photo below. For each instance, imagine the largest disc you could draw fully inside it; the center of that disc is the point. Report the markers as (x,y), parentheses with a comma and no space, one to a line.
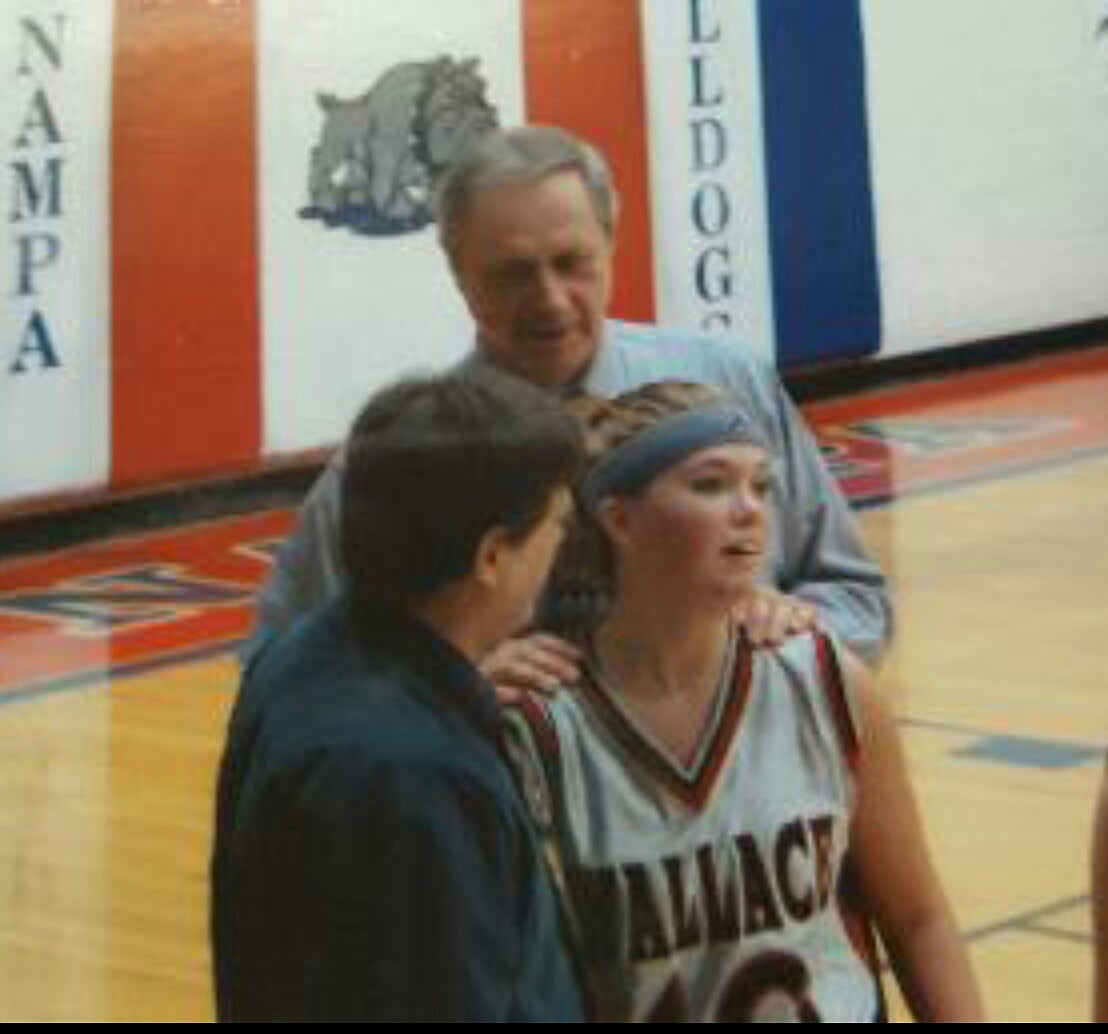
(55,66)
(989,144)
(343,312)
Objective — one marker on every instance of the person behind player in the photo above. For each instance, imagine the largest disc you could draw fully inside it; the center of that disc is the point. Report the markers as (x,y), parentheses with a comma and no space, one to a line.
(730,820)
(527,218)
(373,860)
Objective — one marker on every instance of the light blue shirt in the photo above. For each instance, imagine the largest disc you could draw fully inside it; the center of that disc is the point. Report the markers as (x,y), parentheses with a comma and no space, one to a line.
(817,555)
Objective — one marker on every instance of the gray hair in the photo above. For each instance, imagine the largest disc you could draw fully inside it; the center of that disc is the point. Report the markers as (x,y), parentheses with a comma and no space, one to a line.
(520,155)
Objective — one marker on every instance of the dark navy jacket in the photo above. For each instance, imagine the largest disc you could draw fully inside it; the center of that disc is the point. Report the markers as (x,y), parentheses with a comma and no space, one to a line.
(372,859)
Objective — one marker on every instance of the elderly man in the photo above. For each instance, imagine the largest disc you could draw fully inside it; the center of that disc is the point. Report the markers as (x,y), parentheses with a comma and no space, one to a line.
(527,219)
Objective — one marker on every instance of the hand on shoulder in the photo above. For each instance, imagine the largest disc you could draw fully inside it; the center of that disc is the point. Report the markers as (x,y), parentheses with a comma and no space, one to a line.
(534,663)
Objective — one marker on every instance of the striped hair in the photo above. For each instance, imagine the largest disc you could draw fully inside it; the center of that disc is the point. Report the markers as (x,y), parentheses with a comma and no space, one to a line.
(583,578)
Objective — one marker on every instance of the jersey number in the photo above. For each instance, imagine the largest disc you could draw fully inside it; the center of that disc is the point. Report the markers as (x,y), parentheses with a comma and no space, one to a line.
(774,974)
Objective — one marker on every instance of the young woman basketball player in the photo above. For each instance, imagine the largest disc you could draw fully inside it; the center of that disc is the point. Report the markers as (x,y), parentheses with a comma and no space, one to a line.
(731,823)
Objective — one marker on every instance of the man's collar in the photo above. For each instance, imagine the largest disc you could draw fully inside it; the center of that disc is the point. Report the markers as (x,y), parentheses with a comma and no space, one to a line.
(447,678)
(591,382)
(602,368)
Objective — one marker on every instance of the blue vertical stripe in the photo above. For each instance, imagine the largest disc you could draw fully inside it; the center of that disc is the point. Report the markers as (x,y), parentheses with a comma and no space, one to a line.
(826,294)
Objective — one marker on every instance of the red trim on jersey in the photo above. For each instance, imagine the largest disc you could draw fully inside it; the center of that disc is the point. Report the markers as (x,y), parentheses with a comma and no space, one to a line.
(693,787)
(831,678)
(857,921)
(537,715)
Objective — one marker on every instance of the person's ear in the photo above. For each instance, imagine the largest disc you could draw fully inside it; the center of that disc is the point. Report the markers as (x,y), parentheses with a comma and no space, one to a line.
(614,517)
(488,565)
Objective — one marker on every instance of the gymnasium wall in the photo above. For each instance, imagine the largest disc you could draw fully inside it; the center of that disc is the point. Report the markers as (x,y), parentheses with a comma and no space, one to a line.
(195,284)
(988,130)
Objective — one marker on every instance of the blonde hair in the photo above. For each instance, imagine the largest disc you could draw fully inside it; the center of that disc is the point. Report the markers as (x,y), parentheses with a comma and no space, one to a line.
(583,579)
(609,423)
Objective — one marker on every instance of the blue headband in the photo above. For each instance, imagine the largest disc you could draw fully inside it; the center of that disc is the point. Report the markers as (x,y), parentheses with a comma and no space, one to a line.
(630,467)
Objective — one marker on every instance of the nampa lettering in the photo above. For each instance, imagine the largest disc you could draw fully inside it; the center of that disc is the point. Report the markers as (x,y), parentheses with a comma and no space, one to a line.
(36,193)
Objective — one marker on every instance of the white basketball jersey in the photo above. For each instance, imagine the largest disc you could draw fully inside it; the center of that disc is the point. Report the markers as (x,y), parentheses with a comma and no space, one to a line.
(721,891)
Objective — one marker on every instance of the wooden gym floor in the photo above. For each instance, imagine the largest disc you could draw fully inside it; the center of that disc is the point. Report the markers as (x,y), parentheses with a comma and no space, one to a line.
(986,497)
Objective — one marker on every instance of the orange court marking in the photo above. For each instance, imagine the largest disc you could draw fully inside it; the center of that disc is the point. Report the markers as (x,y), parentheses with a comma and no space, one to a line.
(132,600)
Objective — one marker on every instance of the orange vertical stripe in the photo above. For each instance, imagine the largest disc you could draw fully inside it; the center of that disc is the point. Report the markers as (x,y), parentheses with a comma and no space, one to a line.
(186,380)
(584,71)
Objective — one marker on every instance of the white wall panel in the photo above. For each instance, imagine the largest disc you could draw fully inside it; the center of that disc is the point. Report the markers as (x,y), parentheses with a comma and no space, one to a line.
(346,311)
(712,266)
(989,142)
(55,64)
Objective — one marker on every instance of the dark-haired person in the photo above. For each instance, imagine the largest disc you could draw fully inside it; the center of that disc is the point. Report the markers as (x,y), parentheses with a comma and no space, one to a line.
(527,219)
(372,858)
